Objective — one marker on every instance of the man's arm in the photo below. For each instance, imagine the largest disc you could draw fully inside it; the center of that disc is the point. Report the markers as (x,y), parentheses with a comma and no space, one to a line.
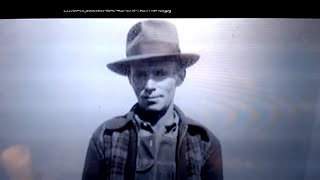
(213,168)
(94,166)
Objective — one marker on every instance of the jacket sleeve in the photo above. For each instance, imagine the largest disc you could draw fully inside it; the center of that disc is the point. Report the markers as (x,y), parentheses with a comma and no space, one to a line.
(94,166)
(213,168)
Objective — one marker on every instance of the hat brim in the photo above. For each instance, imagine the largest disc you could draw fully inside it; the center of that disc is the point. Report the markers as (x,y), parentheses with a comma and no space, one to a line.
(122,67)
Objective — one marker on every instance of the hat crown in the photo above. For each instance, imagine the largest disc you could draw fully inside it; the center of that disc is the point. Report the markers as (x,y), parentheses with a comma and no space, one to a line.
(152,37)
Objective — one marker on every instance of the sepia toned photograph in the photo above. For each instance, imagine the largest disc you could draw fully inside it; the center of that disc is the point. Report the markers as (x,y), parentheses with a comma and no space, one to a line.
(160,98)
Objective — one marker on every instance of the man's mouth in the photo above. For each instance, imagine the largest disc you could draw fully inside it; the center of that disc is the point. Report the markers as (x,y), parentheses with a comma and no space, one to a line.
(151,97)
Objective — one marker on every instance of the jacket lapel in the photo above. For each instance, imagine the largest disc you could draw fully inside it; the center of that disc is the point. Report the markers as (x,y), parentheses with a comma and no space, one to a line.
(119,154)
(130,168)
(188,151)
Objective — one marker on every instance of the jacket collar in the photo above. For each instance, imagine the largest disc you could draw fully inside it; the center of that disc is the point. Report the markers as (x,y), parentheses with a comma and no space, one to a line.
(128,118)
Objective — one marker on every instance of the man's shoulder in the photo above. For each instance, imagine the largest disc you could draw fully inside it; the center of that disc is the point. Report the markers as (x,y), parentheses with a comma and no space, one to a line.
(195,127)
(113,124)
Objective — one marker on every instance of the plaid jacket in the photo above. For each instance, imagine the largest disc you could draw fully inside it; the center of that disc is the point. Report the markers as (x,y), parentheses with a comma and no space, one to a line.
(112,151)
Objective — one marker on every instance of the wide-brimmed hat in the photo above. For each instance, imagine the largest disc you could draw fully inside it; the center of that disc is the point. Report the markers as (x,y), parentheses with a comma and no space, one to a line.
(152,40)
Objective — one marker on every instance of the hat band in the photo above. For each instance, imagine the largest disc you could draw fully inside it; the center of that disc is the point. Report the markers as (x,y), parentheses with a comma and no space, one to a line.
(151,47)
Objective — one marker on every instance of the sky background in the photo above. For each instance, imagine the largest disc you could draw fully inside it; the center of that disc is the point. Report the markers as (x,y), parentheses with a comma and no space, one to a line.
(256,86)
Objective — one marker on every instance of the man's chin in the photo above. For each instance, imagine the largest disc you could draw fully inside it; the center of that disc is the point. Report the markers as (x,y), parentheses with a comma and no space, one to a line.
(153,108)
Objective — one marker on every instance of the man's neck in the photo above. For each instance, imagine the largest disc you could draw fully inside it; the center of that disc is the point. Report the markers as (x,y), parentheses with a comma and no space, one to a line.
(156,118)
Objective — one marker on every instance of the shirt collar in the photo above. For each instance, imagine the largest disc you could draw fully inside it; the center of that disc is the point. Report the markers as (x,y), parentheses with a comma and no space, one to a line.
(169,124)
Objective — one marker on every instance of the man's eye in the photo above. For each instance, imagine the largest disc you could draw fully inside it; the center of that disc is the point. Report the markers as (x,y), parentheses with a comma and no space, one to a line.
(160,73)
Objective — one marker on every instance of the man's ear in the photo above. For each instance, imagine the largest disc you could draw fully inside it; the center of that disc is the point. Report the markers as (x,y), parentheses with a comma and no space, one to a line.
(129,78)
(181,74)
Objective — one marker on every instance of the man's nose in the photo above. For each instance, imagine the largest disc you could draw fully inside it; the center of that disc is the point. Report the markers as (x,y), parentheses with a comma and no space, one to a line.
(150,84)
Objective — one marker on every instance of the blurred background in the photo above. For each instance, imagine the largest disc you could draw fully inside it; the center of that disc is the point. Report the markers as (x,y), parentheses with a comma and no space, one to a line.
(256,86)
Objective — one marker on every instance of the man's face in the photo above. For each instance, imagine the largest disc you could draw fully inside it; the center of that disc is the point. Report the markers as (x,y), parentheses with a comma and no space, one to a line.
(154,84)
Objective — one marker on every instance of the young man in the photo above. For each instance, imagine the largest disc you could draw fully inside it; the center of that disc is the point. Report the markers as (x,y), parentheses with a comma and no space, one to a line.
(155,140)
